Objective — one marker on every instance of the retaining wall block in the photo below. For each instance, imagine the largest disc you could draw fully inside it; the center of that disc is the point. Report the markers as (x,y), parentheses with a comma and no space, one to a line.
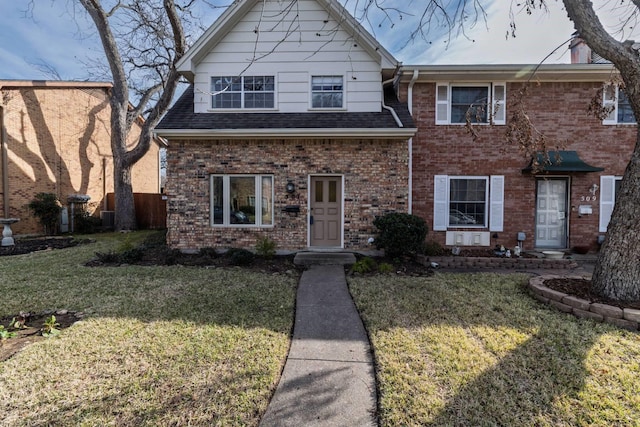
(588,315)
(560,306)
(631,314)
(621,323)
(576,302)
(607,310)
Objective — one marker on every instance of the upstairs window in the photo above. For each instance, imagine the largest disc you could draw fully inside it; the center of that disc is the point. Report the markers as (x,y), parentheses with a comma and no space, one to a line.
(616,100)
(327,92)
(479,103)
(238,92)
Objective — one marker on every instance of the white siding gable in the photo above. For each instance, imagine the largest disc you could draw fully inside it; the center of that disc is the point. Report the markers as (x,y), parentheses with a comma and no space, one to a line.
(292,46)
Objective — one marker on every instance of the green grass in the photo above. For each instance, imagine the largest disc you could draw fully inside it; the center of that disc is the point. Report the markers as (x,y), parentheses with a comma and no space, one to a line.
(476,350)
(159,346)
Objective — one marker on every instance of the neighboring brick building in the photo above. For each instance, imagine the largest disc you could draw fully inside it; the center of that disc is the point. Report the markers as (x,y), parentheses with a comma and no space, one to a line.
(56,139)
(311,111)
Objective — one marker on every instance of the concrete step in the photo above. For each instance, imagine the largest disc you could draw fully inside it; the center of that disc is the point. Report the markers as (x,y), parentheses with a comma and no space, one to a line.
(324,258)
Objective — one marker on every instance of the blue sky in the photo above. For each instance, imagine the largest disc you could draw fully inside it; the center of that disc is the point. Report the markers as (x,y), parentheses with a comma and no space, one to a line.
(54,37)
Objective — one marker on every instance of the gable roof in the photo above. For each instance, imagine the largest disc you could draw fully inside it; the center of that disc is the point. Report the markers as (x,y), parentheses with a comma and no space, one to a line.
(182,122)
(238,9)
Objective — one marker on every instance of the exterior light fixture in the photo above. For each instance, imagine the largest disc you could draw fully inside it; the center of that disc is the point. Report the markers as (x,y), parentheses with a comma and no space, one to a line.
(291,187)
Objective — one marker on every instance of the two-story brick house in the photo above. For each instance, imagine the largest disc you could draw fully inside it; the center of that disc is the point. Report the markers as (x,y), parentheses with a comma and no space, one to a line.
(471,190)
(292,129)
(56,139)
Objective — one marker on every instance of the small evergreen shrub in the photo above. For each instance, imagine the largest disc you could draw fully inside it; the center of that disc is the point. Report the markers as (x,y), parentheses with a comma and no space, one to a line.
(400,234)
(365,265)
(240,257)
(131,256)
(385,268)
(46,207)
(265,247)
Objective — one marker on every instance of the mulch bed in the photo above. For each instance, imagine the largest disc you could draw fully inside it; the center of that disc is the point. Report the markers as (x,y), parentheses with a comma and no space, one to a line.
(581,288)
(37,244)
(31,331)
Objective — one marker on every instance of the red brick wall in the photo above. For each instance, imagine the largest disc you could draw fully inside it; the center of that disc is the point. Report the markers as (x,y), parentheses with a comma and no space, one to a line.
(557,109)
(375,181)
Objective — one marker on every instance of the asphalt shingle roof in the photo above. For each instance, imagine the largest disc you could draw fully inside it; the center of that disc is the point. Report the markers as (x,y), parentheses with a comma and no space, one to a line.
(181,116)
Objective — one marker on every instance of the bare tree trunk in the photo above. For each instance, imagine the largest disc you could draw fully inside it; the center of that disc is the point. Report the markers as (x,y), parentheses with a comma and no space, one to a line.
(125,213)
(617,272)
(165,45)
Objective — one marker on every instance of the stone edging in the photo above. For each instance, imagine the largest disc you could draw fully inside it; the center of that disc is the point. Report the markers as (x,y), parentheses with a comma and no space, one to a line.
(498,262)
(627,318)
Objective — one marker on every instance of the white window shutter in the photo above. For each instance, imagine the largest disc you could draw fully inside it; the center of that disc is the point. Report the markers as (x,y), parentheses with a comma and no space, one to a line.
(607,200)
(442,104)
(496,205)
(499,97)
(610,100)
(440,203)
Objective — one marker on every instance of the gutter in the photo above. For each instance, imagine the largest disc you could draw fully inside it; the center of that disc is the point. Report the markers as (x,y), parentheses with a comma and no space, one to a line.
(410,106)
(312,133)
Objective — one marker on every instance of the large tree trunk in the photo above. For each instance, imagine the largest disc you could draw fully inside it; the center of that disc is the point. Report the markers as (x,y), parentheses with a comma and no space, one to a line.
(617,272)
(125,213)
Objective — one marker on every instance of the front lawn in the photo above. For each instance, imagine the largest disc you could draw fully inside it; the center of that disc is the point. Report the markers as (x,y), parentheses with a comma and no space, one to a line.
(158,346)
(475,349)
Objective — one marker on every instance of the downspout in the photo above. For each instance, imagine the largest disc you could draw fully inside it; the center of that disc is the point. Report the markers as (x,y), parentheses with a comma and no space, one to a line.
(386,107)
(5,164)
(410,106)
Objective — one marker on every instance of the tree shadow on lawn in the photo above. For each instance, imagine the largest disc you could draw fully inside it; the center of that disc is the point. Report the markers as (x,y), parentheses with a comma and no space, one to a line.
(518,387)
(521,389)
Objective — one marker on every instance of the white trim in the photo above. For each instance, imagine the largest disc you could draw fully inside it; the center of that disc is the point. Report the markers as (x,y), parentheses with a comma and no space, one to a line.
(498,105)
(496,203)
(440,202)
(242,93)
(607,200)
(612,118)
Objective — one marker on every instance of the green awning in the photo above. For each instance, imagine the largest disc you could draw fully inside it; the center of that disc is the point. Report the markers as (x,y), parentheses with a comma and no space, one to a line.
(561,161)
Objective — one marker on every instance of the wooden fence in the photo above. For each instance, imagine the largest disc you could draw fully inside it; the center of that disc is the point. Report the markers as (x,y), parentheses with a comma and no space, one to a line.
(151,209)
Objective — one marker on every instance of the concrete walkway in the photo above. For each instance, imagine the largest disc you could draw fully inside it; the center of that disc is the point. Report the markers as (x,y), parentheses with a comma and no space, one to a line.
(328,379)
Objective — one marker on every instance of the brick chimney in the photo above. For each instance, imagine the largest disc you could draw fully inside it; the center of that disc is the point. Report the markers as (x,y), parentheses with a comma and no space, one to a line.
(580,52)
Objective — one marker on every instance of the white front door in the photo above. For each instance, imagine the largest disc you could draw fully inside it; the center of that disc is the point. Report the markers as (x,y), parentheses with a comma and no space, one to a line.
(551,213)
(326,211)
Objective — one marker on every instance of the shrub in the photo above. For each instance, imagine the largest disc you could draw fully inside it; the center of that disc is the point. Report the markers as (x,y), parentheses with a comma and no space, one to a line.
(400,234)
(85,223)
(131,256)
(109,257)
(46,207)
(239,256)
(266,247)
(365,265)
(433,248)
(385,268)
(208,252)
